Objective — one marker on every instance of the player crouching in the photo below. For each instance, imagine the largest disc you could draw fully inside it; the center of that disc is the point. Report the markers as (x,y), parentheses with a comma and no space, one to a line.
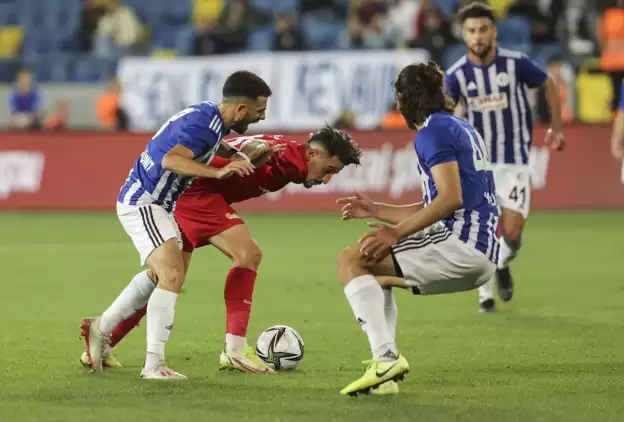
(206,217)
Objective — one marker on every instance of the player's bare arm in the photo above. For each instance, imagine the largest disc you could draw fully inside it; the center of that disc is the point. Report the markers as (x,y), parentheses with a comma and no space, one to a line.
(617,138)
(377,244)
(554,136)
(259,151)
(180,160)
(362,206)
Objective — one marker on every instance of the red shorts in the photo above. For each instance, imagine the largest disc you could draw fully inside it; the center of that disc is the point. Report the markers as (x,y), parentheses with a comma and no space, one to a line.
(201,217)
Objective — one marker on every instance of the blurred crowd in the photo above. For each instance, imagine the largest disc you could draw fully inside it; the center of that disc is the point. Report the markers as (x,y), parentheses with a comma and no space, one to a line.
(82,40)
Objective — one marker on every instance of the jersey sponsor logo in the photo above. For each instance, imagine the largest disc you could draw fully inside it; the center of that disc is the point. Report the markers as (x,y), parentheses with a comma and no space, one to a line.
(146,161)
(20,171)
(495,101)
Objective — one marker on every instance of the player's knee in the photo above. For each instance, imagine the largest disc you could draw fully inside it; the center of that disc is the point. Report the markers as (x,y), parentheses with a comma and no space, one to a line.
(248,256)
(347,259)
(152,276)
(512,233)
(172,277)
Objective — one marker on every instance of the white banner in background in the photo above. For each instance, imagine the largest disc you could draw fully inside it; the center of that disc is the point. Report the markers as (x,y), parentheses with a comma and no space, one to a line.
(309,89)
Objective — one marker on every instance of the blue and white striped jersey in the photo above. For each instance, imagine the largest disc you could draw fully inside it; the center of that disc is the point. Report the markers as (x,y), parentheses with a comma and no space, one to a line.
(496,101)
(199,128)
(445,138)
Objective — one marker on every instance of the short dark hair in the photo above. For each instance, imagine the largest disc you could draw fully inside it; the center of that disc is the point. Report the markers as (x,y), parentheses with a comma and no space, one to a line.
(476,9)
(421,91)
(339,144)
(243,83)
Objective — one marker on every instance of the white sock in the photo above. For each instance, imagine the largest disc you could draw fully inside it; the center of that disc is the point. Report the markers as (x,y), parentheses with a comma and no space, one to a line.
(160,316)
(132,298)
(235,344)
(506,254)
(486,291)
(367,301)
(391,311)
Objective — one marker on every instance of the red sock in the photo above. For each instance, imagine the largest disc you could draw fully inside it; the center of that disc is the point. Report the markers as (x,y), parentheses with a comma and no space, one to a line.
(125,326)
(238,293)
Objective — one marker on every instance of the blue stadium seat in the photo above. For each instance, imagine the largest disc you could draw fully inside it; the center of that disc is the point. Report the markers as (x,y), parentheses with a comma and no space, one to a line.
(452,54)
(267,6)
(183,39)
(8,14)
(177,12)
(322,34)
(8,70)
(515,30)
(261,38)
(286,6)
(88,69)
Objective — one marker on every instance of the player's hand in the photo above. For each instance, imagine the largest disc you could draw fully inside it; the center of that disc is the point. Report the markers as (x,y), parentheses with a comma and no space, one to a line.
(240,168)
(375,245)
(617,149)
(357,206)
(262,153)
(555,140)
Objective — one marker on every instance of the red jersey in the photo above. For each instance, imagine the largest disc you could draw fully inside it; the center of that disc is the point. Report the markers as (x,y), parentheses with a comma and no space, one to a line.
(284,167)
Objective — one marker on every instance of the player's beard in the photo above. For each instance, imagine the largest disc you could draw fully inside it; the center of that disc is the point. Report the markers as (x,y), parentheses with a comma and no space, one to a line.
(240,127)
(311,183)
(483,54)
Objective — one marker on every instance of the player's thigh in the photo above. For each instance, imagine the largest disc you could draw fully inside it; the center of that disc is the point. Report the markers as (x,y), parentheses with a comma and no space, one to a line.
(237,243)
(350,264)
(149,227)
(438,265)
(513,189)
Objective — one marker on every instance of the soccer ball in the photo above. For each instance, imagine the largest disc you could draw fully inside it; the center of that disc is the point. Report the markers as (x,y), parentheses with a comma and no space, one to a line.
(280,347)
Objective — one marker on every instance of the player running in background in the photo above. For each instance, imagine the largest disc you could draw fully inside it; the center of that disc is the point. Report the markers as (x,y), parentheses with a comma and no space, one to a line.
(177,153)
(617,138)
(205,217)
(445,244)
(490,84)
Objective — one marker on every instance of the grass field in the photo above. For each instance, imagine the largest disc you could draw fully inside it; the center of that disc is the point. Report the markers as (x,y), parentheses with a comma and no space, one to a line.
(555,353)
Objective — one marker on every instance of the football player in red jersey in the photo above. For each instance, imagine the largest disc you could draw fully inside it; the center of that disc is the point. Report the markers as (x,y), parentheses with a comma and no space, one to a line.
(206,217)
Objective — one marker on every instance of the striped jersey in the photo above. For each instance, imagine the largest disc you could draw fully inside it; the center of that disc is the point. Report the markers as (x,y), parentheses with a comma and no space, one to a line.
(199,128)
(445,138)
(496,101)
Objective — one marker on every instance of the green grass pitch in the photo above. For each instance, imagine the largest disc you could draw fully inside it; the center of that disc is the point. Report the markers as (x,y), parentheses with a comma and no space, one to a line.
(555,353)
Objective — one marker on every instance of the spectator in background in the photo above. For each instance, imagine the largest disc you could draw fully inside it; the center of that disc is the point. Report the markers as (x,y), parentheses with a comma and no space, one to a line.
(58,119)
(435,35)
(403,19)
(233,27)
(118,31)
(555,69)
(25,103)
(393,119)
(288,36)
(89,18)
(611,38)
(109,111)
(207,41)
(376,33)
(346,121)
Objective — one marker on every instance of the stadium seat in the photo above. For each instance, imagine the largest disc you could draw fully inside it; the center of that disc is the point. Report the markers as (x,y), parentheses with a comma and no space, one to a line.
(594,94)
(514,30)
(266,6)
(183,39)
(8,70)
(8,14)
(88,69)
(10,41)
(501,7)
(286,6)
(452,54)
(322,34)
(177,12)
(260,38)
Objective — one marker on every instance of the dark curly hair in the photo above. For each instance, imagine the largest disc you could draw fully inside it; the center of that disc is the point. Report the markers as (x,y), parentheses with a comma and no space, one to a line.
(339,144)
(420,91)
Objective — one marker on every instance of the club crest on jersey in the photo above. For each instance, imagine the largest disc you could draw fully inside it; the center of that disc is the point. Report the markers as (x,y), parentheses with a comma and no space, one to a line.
(494,101)
(232,216)
(502,79)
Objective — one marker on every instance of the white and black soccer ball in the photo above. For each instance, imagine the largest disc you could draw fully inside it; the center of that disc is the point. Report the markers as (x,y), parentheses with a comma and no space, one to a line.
(280,347)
